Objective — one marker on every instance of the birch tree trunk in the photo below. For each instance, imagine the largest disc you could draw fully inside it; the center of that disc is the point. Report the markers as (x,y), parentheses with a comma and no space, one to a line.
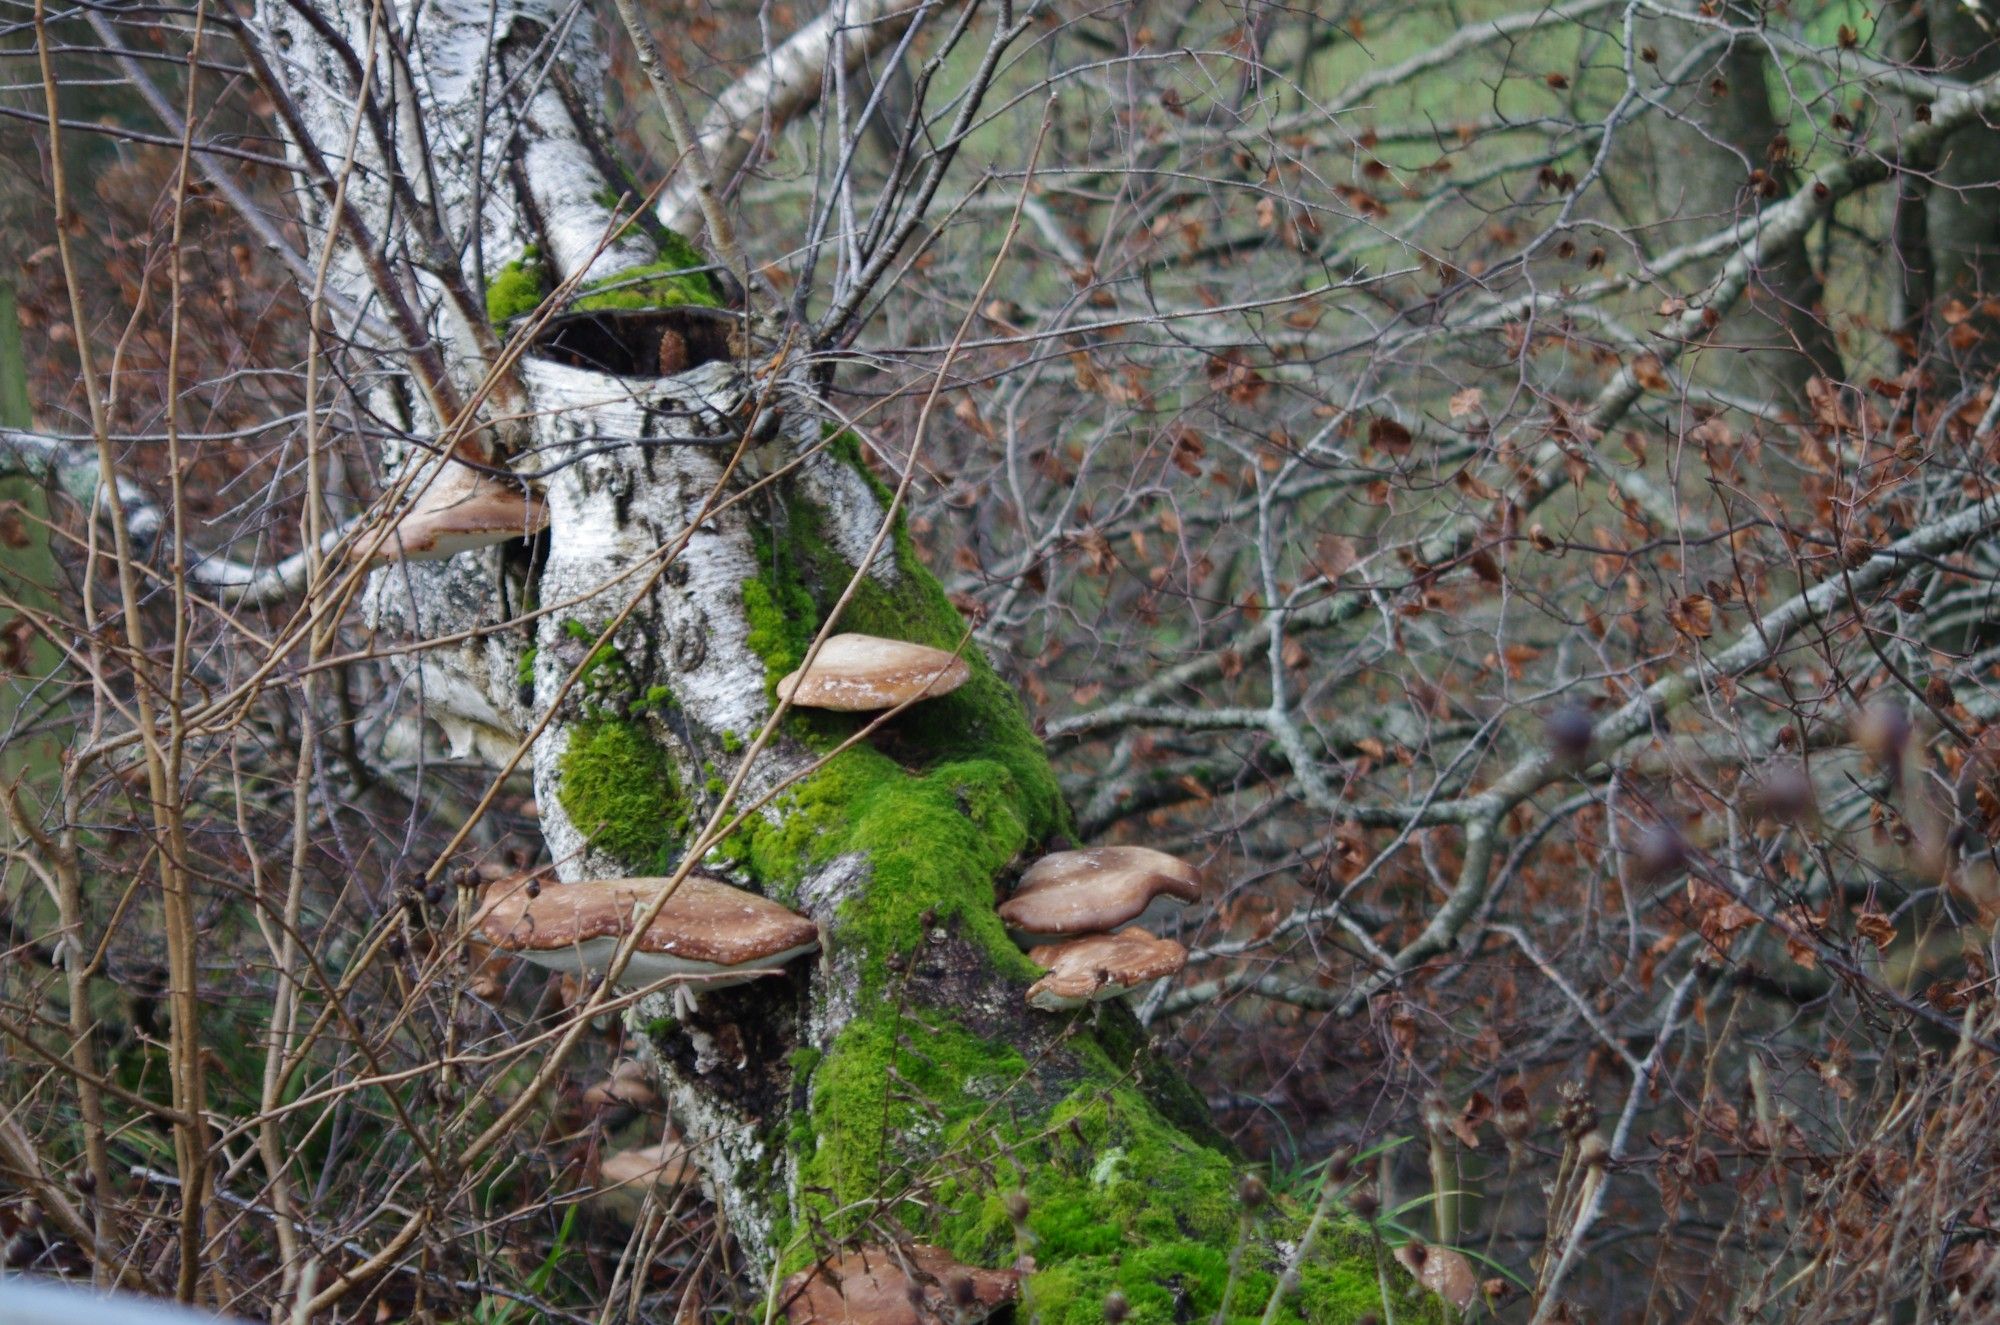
(704,525)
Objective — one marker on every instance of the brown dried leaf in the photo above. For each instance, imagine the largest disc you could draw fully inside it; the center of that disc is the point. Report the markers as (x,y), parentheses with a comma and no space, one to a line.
(1693,615)
(1649,373)
(1876,927)
(1388,436)
(1334,555)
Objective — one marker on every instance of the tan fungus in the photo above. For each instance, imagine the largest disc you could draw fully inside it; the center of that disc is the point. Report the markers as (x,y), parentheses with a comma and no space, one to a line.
(1097,967)
(1097,890)
(705,928)
(864,673)
(459,510)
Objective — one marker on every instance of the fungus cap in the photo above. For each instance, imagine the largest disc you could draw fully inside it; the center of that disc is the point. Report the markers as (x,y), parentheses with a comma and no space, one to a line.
(864,673)
(1097,967)
(459,510)
(1094,891)
(910,1285)
(1441,1270)
(662,1165)
(625,1088)
(706,928)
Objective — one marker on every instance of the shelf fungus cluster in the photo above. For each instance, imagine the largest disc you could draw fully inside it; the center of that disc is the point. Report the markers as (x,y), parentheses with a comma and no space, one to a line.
(1079,915)
(1078,912)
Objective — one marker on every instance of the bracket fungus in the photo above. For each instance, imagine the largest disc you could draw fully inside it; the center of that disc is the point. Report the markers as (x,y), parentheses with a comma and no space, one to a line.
(662,1165)
(705,930)
(627,1178)
(1441,1270)
(865,673)
(1068,894)
(1097,967)
(459,510)
(916,1284)
(624,1090)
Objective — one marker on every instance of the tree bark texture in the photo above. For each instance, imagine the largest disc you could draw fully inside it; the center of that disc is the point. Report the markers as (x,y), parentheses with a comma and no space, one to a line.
(898,1084)
(1962,213)
(1717,154)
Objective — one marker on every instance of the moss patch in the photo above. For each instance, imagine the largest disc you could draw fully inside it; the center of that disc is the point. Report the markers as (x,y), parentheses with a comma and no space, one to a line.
(517,289)
(676,278)
(911,1104)
(619,788)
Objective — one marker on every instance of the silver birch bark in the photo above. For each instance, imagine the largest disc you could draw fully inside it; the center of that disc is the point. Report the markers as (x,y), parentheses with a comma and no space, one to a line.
(702,527)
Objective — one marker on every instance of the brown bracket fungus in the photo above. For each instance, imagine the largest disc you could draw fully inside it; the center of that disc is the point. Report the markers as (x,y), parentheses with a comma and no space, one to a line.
(662,1165)
(1097,967)
(909,1285)
(462,509)
(706,930)
(1441,1270)
(626,1089)
(626,1178)
(864,674)
(1071,893)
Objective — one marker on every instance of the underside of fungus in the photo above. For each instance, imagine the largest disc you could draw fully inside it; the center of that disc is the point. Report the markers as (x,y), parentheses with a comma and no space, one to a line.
(1097,967)
(460,509)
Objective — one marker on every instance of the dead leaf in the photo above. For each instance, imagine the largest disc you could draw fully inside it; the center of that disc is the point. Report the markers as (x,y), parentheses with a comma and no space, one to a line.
(1693,615)
(1877,928)
(1388,436)
(1334,555)
(1649,373)
(1441,1270)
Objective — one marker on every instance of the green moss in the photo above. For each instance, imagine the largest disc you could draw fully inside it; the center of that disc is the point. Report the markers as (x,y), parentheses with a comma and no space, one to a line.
(524,668)
(517,289)
(943,803)
(676,278)
(1118,1198)
(619,787)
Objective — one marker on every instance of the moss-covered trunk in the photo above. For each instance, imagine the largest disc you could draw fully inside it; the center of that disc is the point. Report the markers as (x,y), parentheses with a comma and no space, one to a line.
(900,1083)
(702,525)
